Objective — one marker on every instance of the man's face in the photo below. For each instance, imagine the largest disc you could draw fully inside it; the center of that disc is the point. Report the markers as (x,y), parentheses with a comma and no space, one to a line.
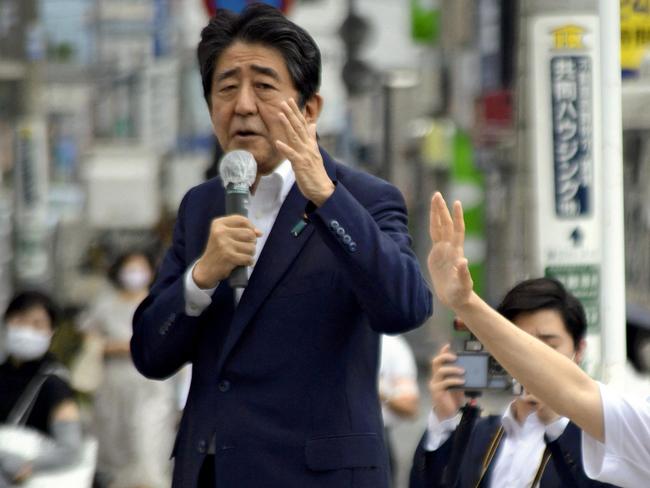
(548,326)
(249,83)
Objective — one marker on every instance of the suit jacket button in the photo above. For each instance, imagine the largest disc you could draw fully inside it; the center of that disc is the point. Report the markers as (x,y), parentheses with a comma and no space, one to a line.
(352,246)
(347,239)
(202,446)
(224,386)
(340,232)
(334,224)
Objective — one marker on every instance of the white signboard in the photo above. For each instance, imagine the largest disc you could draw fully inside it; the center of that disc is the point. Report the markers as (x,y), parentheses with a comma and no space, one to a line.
(565,117)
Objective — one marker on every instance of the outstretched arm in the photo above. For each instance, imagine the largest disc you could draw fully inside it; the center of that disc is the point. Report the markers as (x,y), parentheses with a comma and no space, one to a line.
(547,374)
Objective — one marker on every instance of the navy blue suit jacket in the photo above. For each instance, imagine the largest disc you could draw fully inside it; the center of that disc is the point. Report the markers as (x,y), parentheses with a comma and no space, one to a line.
(564,469)
(286,382)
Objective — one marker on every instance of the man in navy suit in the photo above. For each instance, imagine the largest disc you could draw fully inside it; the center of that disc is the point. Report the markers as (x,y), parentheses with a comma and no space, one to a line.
(528,446)
(284,386)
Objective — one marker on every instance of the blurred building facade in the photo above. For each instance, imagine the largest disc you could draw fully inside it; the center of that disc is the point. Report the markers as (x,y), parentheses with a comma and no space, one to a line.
(103,126)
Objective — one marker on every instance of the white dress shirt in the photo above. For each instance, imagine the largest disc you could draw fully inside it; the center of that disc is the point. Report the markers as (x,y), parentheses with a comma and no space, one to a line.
(624,458)
(398,374)
(521,450)
(264,206)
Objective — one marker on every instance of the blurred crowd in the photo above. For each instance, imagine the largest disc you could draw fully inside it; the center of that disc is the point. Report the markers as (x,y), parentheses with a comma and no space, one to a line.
(97,396)
(106,424)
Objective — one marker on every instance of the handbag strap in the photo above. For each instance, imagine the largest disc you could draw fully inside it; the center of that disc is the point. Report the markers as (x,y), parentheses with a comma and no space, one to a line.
(25,403)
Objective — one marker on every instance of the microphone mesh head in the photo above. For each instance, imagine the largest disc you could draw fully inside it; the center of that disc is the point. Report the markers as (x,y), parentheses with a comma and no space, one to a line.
(238,167)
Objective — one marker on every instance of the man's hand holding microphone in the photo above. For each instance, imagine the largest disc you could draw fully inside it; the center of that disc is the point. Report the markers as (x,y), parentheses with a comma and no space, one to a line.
(232,239)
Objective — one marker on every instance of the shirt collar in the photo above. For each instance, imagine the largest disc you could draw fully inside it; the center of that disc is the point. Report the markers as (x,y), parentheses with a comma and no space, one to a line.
(512,428)
(273,188)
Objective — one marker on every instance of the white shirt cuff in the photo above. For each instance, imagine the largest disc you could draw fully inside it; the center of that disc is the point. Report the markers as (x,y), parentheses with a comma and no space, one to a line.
(196,299)
(555,429)
(439,431)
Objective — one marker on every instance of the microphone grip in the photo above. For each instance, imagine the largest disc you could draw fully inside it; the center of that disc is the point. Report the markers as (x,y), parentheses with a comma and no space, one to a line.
(239,277)
(237,203)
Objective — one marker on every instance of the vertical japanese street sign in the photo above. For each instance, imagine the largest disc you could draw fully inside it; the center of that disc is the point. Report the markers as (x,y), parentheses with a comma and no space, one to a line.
(565,121)
(571,85)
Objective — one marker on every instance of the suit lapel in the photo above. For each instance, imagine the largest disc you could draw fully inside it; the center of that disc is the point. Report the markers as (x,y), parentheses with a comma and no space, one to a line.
(280,250)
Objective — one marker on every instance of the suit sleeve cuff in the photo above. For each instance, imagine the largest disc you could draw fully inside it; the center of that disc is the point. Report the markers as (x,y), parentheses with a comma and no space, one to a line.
(196,299)
(438,431)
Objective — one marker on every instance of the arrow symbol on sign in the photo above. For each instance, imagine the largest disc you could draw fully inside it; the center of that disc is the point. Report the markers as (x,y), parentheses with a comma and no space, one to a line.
(576,236)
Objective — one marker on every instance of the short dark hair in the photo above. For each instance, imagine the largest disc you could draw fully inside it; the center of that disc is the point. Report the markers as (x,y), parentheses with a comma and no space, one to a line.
(546,294)
(30,299)
(261,24)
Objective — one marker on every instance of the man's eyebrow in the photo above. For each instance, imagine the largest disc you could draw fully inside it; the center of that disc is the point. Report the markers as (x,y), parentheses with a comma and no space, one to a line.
(266,71)
(226,74)
(547,337)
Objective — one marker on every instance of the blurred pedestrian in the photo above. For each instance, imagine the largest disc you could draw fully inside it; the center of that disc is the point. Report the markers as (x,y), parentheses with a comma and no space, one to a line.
(133,416)
(398,389)
(34,392)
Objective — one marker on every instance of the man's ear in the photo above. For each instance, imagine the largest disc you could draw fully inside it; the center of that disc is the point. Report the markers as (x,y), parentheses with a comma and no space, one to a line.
(580,351)
(312,108)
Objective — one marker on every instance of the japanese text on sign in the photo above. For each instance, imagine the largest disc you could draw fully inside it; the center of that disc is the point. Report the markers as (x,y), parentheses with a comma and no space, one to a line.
(571,92)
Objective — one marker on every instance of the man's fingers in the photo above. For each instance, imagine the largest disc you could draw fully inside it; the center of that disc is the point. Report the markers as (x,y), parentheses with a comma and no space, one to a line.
(312,130)
(434,220)
(444,358)
(287,151)
(242,234)
(247,248)
(446,224)
(451,382)
(242,259)
(459,225)
(448,371)
(292,136)
(295,117)
(234,221)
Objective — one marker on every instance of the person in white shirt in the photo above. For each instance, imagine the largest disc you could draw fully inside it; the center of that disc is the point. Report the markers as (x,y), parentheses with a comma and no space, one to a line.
(616,428)
(529,445)
(398,388)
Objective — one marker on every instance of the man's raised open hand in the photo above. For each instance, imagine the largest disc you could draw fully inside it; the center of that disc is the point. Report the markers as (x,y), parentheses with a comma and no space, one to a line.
(447,264)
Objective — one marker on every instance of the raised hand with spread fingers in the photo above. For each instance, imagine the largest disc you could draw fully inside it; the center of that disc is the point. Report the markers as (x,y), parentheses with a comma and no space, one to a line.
(447,263)
(300,147)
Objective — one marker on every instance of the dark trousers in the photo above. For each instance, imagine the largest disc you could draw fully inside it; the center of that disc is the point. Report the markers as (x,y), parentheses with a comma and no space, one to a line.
(206,475)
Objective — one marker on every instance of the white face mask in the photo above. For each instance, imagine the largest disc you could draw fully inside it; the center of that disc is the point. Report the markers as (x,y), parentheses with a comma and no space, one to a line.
(135,279)
(25,343)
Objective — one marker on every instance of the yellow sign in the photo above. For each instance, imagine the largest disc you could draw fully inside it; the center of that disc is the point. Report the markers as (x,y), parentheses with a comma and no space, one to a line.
(568,37)
(635,32)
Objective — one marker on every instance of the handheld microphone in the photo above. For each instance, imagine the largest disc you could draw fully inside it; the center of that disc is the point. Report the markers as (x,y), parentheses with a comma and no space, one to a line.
(238,170)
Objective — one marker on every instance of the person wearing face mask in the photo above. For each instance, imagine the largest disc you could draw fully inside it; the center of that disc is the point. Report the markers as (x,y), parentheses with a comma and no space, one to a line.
(133,417)
(529,445)
(34,391)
